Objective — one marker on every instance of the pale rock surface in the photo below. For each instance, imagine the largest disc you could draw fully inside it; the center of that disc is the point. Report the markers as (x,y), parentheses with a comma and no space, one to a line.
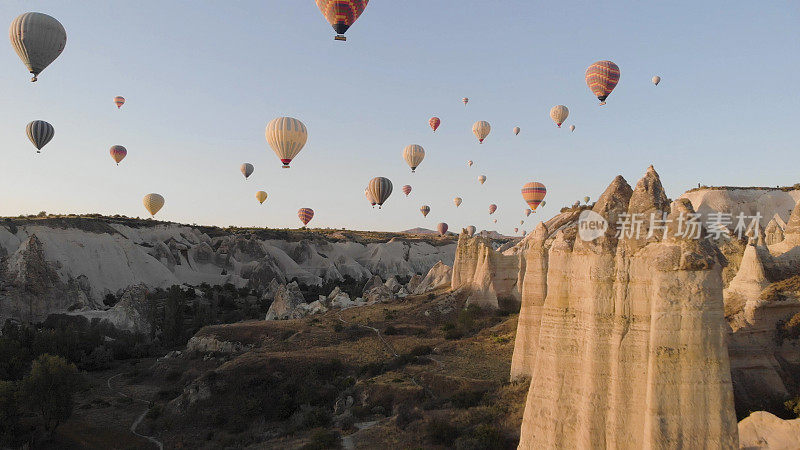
(774,230)
(491,278)
(767,202)
(412,284)
(289,303)
(439,276)
(393,285)
(762,430)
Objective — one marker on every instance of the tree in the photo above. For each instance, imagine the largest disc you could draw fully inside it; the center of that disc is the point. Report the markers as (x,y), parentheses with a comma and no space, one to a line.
(49,389)
(8,412)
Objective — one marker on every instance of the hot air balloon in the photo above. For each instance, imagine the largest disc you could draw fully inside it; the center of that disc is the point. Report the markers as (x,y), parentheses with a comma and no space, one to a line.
(261,196)
(457,201)
(516,229)
(527,212)
(413,154)
(524,233)
(118,153)
(369,197)
(559,114)
(380,189)
(469,163)
(656,80)
(572,128)
(425,209)
(341,14)
(542,204)
(465,100)
(481,129)
(247,170)
(119,101)
(602,77)
(406,190)
(586,199)
(482,179)
(38,39)
(533,193)
(40,133)
(153,203)
(492,208)
(522,222)
(305,215)
(471,230)
(516,130)
(442,227)
(286,136)
(495,221)
(435,122)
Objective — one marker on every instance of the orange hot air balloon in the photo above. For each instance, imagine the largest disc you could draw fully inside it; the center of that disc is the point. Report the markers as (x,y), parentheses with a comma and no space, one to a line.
(442,227)
(492,208)
(118,153)
(341,14)
(406,189)
(119,101)
(425,209)
(435,122)
(533,193)
(602,77)
(305,215)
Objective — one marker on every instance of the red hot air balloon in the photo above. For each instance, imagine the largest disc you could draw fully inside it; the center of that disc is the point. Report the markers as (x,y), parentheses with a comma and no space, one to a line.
(425,209)
(435,122)
(442,227)
(341,14)
(406,189)
(533,193)
(118,153)
(492,208)
(602,77)
(305,215)
(119,101)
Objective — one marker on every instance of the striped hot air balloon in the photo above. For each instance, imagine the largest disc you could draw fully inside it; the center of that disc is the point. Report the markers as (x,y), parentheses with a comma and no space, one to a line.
(261,196)
(38,40)
(533,193)
(481,129)
(406,189)
(435,122)
(559,114)
(516,131)
(286,136)
(471,230)
(118,153)
(247,169)
(380,189)
(469,163)
(40,133)
(425,209)
(602,77)
(413,154)
(153,203)
(465,100)
(341,14)
(457,201)
(442,227)
(482,179)
(527,212)
(119,101)
(492,208)
(305,215)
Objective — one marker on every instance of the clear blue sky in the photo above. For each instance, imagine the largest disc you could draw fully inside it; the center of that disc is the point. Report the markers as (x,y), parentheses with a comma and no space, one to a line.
(203,78)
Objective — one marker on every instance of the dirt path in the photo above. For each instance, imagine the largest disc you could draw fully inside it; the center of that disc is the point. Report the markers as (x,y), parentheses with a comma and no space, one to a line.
(141,416)
(375,330)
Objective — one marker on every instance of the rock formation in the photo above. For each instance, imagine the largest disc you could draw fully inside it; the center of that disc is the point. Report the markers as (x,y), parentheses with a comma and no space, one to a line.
(439,276)
(625,340)
(288,304)
(490,277)
(762,430)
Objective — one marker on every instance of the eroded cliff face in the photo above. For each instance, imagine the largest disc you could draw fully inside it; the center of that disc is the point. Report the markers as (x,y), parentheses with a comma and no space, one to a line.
(491,278)
(625,340)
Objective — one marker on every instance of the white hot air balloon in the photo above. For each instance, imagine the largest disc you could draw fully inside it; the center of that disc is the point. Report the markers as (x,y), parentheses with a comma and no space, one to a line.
(38,39)
(413,154)
(559,114)
(287,136)
(572,128)
(481,129)
(656,80)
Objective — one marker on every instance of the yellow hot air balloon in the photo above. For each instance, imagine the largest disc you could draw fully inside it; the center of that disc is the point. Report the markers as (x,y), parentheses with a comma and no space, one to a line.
(481,129)
(413,154)
(559,114)
(457,201)
(153,203)
(261,196)
(286,136)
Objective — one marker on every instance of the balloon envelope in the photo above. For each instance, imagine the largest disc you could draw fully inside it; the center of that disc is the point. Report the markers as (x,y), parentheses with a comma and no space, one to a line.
(153,203)
(516,130)
(305,215)
(492,208)
(656,80)
(40,133)
(559,114)
(247,170)
(413,154)
(118,153)
(425,209)
(533,193)
(469,163)
(572,128)
(38,39)
(380,189)
(527,212)
(457,201)
(287,136)
(481,129)
(434,123)
(442,227)
(341,14)
(471,230)
(406,189)
(465,100)
(261,196)
(602,77)
(586,199)
(482,179)
(119,101)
